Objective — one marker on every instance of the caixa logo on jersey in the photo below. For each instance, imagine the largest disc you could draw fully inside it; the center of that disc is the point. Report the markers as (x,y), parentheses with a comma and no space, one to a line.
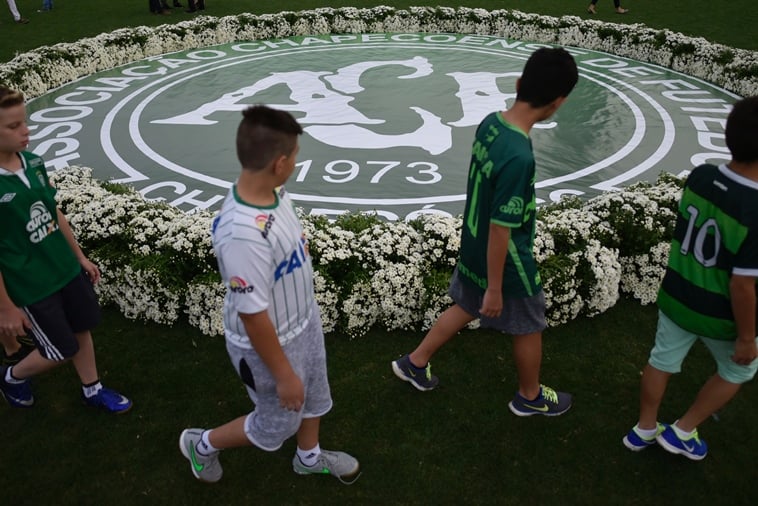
(389,120)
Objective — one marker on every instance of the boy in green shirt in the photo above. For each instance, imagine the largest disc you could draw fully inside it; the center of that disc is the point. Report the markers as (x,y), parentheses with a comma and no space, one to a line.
(45,279)
(496,279)
(709,290)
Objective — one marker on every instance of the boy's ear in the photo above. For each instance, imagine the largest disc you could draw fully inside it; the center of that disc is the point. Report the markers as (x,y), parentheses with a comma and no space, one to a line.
(279,164)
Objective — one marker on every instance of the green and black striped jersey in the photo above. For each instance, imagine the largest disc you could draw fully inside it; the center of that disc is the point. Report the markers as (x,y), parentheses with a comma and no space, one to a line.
(716,236)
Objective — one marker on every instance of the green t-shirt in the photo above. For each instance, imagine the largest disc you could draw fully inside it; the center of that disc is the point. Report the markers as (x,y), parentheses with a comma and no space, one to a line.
(500,190)
(35,258)
(716,235)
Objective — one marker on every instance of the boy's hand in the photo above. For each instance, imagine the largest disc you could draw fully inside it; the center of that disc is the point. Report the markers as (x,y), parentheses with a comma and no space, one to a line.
(492,304)
(91,269)
(291,392)
(13,322)
(744,352)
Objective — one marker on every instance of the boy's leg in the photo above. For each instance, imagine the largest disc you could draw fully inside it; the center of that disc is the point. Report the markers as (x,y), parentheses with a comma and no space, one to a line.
(527,354)
(10,344)
(307,434)
(652,388)
(84,360)
(448,325)
(714,395)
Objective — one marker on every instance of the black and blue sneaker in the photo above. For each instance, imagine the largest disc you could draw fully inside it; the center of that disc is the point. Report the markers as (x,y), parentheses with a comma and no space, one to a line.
(419,377)
(693,447)
(18,395)
(109,400)
(549,403)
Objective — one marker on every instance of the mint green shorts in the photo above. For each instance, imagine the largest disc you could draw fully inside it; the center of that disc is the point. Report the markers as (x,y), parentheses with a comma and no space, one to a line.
(672,343)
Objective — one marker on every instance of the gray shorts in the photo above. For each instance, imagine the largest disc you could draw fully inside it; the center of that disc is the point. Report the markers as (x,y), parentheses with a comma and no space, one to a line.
(519,316)
(269,424)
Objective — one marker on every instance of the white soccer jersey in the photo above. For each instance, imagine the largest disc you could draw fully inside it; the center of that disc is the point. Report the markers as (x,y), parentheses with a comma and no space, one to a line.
(264,262)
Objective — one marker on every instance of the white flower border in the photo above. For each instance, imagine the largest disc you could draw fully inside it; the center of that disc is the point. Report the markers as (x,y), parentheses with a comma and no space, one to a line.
(37,72)
(157,262)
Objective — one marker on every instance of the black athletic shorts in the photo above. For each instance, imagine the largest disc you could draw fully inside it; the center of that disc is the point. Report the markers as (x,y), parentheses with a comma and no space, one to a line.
(55,319)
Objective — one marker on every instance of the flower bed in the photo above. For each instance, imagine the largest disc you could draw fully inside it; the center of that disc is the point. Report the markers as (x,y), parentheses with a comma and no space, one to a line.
(157,262)
(36,72)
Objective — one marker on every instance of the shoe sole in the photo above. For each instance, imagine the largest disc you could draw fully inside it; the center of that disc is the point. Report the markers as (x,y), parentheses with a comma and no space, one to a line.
(633,447)
(517,412)
(15,403)
(399,373)
(673,449)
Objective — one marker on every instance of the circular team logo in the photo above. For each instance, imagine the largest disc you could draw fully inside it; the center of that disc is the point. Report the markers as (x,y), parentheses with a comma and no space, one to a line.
(389,120)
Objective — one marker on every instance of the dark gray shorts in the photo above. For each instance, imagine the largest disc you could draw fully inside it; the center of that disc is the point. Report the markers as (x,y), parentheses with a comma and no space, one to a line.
(519,316)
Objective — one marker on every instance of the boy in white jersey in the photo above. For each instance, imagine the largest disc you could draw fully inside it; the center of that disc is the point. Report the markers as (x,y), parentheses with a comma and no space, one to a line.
(271,321)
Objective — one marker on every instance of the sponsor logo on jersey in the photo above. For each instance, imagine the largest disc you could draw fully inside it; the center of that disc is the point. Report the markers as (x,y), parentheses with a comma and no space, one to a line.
(514,206)
(294,261)
(41,223)
(7,197)
(264,222)
(239,285)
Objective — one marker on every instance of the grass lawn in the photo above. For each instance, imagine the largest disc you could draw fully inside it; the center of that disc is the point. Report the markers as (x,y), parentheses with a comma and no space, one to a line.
(456,445)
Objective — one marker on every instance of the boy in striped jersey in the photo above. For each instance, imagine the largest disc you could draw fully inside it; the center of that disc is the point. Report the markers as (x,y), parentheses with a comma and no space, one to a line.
(271,321)
(45,278)
(708,291)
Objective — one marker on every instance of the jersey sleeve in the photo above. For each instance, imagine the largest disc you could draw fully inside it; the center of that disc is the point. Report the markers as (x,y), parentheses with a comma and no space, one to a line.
(249,269)
(512,192)
(746,259)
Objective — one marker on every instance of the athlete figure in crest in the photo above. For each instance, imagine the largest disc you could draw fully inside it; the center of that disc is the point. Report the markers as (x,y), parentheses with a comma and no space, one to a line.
(271,321)
(708,292)
(45,278)
(496,279)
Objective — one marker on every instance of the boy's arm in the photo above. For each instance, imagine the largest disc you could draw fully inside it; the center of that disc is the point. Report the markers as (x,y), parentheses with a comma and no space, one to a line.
(742,293)
(13,321)
(90,268)
(497,250)
(263,337)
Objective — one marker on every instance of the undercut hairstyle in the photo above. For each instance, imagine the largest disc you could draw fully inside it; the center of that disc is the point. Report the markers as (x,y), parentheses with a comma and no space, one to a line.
(742,130)
(550,73)
(265,134)
(10,98)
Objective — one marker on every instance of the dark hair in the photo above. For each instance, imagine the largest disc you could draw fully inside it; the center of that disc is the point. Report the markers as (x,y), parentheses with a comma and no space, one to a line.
(742,130)
(264,134)
(549,73)
(9,97)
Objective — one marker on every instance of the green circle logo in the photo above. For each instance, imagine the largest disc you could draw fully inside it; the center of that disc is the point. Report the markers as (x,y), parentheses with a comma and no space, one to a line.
(388,118)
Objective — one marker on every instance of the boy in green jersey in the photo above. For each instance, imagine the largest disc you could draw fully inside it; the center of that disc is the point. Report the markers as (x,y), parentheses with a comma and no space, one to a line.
(496,279)
(709,290)
(45,279)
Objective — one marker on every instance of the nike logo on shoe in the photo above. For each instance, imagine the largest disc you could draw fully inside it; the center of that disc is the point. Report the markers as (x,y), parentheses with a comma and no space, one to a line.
(687,447)
(197,466)
(542,408)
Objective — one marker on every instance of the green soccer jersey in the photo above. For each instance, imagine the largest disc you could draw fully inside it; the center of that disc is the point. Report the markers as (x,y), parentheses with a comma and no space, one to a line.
(716,236)
(500,190)
(35,258)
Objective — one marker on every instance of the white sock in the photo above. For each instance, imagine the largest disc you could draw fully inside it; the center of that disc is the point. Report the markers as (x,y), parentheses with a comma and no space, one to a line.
(92,389)
(309,457)
(680,433)
(204,446)
(10,379)
(646,433)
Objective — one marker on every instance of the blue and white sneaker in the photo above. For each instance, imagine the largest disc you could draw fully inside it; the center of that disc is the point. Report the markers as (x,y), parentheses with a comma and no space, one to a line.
(549,403)
(693,447)
(18,395)
(109,400)
(636,442)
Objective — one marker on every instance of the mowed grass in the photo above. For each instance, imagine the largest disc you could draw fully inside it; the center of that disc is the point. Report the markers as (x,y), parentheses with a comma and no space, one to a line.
(456,445)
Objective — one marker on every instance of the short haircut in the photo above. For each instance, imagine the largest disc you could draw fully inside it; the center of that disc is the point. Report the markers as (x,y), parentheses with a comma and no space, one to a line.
(742,130)
(550,73)
(265,134)
(10,98)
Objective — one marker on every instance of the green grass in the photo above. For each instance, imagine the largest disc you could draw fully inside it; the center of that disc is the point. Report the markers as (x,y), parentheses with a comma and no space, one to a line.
(731,23)
(456,445)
